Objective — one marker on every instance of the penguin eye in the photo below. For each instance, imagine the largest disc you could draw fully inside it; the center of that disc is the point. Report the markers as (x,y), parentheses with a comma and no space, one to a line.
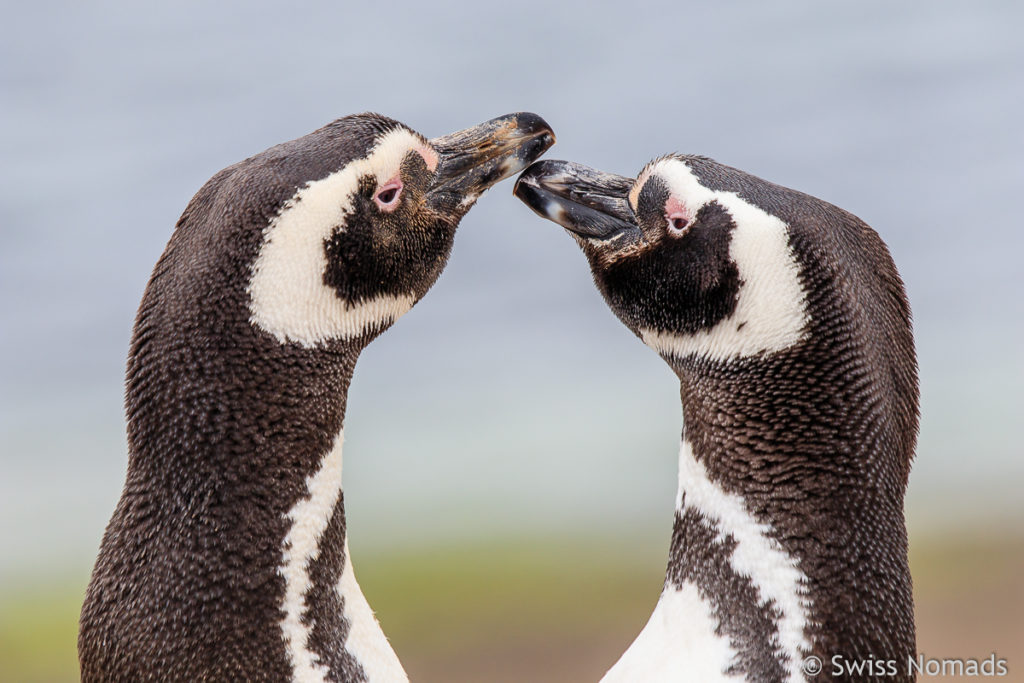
(677,224)
(387,196)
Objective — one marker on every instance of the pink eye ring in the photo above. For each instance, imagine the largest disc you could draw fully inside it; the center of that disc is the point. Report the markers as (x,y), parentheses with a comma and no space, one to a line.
(678,223)
(387,196)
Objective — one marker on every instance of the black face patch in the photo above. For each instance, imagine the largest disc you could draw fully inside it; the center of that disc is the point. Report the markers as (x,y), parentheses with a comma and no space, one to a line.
(650,206)
(415,176)
(683,284)
(378,253)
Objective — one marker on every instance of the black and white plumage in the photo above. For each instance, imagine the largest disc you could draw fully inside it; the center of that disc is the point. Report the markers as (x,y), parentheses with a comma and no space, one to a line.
(226,557)
(787,324)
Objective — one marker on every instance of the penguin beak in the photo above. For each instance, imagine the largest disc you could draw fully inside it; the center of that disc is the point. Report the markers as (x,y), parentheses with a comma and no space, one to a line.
(474,159)
(589,203)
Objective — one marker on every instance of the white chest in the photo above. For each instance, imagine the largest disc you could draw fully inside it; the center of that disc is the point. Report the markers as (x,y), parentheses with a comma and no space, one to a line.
(678,644)
(366,641)
(683,641)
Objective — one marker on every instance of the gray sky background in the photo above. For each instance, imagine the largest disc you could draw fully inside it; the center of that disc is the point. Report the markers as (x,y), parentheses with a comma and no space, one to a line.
(510,399)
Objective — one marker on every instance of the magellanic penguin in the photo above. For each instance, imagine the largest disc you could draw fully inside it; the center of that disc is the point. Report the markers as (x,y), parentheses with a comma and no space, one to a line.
(787,324)
(226,558)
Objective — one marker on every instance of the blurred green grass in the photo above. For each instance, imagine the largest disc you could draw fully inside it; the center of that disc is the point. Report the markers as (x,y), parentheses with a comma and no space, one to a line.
(39,629)
(551,610)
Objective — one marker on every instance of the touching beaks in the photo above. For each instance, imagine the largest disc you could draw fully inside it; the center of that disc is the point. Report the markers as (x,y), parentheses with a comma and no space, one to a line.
(474,159)
(590,203)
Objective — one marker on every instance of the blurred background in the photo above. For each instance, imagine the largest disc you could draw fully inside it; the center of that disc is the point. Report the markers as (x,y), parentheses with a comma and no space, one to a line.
(515,525)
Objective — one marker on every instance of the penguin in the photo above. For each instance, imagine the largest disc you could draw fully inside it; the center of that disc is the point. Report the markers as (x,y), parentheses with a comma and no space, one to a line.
(788,326)
(226,557)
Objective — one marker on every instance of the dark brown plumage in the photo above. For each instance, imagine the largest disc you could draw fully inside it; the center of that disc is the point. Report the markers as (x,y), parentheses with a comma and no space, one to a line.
(816,438)
(227,422)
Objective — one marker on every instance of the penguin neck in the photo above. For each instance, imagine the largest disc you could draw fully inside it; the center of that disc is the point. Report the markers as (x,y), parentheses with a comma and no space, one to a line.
(328,627)
(235,479)
(789,527)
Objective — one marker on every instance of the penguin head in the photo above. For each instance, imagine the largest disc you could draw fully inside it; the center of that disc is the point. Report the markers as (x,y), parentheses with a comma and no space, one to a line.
(333,236)
(368,218)
(703,260)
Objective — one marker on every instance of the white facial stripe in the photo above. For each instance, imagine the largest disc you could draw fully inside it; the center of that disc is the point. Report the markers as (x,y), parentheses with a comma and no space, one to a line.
(309,518)
(772,571)
(366,641)
(770,312)
(678,643)
(287,294)
(386,158)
